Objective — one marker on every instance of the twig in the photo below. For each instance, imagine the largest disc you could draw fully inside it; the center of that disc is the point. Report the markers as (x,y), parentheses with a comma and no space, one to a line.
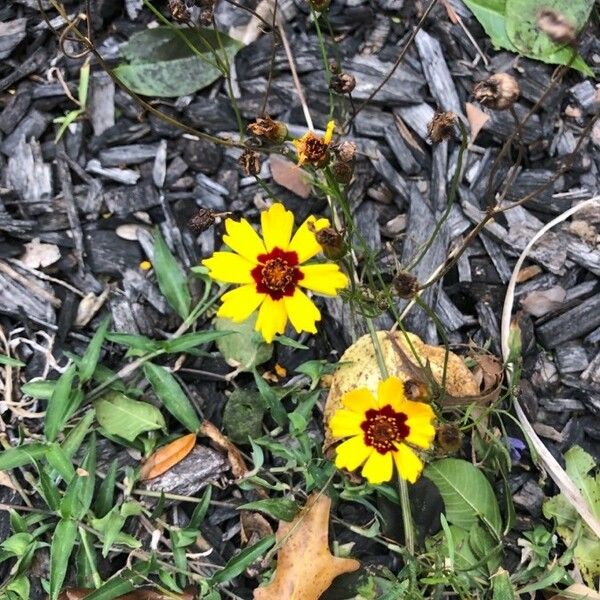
(30,285)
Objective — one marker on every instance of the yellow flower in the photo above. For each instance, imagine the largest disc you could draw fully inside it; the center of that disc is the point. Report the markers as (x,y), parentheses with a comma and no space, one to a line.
(313,149)
(380,431)
(271,272)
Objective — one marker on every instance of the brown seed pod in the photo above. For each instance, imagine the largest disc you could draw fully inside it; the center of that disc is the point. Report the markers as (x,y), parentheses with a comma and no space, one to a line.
(405,284)
(331,241)
(441,127)
(449,438)
(319,5)
(342,83)
(250,163)
(556,26)
(179,11)
(345,151)
(201,220)
(416,390)
(268,129)
(499,92)
(343,172)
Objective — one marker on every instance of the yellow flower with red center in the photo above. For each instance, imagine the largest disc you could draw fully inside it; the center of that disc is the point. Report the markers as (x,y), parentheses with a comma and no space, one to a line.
(313,149)
(271,272)
(381,432)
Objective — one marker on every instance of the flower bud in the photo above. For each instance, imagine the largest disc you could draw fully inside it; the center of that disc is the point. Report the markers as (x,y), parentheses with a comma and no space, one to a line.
(343,172)
(342,83)
(416,390)
(449,438)
(499,92)
(556,26)
(331,241)
(273,131)
(201,220)
(249,161)
(405,284)
(441,127)
(319,5)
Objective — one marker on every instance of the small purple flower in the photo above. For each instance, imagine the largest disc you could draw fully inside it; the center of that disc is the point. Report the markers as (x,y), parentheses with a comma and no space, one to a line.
(515,447)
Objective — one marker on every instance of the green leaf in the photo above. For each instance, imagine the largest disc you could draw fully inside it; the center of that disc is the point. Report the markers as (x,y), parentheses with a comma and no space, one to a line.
(169,392)
(171,278)
(59,461)
(241,561)
(136,342)
(172,62)
(286,341)
(21,455)
(278,508)
(88,363)
(62,404)
(80,491)
(245,348)
(48,489)
(10,361)
(125,582)
(104,499)
(63,540)
(491,16)
(467,494)
(125,417)
(201,509)
(243,415)
(192,340)
(39,389)
(75,437)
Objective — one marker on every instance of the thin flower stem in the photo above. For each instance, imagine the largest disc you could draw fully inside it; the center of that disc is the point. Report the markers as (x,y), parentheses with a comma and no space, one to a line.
(324,57)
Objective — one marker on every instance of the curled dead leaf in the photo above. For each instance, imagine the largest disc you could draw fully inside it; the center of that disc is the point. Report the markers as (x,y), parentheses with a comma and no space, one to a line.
(305,566)
(167,456)
(234,456)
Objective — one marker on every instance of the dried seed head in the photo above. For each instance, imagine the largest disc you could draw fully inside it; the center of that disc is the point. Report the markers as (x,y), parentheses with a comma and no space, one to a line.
(179,11)
(249,161)
(334,67)
(416,390)
(556,26)
(342,83)
(206,16)
(343,172)
(441,127)
(273,131)
(449,438)
(319,5)
(406,284)
(201,220)
(499,92)
(345,151)
(331,241)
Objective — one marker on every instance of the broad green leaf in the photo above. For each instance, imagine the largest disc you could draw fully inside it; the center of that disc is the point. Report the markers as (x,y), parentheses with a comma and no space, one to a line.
(167,62)
(245,348)
(89,360)
(17,543)
(171,278)
(75,437)
(61,405)
(278,508)
(10,361)
(49,490)
(63,540)
(60,462)
(39,389)
(243,415)
(192,340)
(491,16)
(169,392)
(125,417)
(80,491)
(21,455)
(241,561)
(467,494)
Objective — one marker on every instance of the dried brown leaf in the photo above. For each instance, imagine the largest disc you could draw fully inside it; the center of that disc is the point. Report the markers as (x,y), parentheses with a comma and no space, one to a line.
(139,594)
(234,456)
(577,590)
(477,119)
(167,456)
(305,566)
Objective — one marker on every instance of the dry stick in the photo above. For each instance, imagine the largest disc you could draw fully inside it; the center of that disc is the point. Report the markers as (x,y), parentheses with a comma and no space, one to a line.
(290,58)
(558,474)
(35,289)
(396,64)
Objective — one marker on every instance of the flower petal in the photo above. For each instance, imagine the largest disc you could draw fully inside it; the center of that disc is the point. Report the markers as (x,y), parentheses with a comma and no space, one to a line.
(277,224)
(304,242)
(229,267)
(344,423)
(240,303)
(302,311)
(329,132)
(359,400)
(326,278)
(421,433)
(272,318)
(409,465)
(378,468)
(352,453)
(243,239)
(391,391)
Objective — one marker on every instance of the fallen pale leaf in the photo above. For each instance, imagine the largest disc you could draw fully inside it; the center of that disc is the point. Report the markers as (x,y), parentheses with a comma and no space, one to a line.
(477,119)
(234,456)
(305,566)
(577,590)
(167,456)
(289,175)
(37,254)
(540,302)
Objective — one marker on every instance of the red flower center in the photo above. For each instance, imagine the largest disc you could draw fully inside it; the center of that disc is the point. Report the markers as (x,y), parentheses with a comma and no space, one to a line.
(277,273)
(383,427)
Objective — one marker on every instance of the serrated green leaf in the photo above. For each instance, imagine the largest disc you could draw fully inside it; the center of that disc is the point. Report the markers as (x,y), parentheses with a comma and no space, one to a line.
(278,508)
(169,392)
(63,540)
(89,360)
(171,278)
(467,494)
(125,417)
(168,63)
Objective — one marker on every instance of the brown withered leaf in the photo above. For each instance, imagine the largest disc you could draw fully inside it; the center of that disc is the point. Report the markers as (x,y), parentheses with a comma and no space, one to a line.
(305,566)
(577,590)
(234,456)
(167,456)
(477,119)
(139,594)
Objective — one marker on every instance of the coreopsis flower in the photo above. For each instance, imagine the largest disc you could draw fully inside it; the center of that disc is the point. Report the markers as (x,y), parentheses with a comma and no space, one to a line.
(271,272)
(382,432)
(313,149)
